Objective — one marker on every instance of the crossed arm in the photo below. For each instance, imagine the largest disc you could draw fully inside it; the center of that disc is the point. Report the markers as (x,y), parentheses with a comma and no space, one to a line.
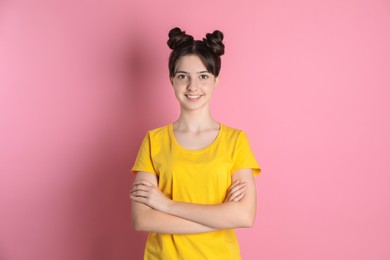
(152,211)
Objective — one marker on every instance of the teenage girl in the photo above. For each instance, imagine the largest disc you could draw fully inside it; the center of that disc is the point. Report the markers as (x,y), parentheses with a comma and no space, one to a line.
(194,177)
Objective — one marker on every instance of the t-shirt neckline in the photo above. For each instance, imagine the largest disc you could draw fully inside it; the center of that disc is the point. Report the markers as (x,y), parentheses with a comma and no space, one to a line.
(211,145)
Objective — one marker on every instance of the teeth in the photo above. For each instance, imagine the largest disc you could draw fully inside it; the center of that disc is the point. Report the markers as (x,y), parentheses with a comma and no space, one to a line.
(193,97)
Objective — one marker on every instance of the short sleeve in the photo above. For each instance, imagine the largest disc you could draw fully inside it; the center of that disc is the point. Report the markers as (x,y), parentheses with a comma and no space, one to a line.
(243,155)
(143,162)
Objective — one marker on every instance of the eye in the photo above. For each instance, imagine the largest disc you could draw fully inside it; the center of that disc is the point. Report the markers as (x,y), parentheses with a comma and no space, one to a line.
(203,76)
(181,76)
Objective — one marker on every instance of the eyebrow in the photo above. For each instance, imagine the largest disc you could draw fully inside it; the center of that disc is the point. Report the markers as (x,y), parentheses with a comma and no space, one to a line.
(185,72)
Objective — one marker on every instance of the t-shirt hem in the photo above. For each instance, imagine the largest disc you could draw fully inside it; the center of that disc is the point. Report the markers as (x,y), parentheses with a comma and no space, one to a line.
(255,170)
(136,170)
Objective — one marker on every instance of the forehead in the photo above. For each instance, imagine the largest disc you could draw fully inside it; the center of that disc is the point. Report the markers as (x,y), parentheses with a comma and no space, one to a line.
(190,63)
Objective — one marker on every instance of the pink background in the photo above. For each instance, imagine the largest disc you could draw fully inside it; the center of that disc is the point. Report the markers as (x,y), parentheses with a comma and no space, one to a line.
(82,81)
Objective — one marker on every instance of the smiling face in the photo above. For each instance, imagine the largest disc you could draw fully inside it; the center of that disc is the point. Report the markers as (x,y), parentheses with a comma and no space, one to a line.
(192,83)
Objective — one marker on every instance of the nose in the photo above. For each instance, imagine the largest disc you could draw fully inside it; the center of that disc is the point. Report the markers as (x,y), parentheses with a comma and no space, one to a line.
(192,85)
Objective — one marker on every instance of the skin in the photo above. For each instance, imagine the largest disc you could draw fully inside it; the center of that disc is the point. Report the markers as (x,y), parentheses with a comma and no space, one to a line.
(195,128)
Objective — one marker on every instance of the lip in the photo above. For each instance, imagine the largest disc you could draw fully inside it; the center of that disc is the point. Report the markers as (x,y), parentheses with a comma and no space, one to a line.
(193,97)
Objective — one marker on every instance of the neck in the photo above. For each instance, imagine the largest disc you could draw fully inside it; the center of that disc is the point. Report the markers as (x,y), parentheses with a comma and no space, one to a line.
(195,121)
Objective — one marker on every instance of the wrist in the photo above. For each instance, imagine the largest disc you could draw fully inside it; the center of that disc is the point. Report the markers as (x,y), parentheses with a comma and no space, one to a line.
(169,206)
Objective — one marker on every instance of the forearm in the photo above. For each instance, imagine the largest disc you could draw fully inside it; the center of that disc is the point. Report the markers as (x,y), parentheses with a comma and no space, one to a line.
(227,215)
(221,216)
(230,214)
(145,218)
(155,212)
(150,220)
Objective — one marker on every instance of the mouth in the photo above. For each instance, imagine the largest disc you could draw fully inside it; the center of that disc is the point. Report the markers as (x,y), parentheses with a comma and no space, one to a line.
(193,97)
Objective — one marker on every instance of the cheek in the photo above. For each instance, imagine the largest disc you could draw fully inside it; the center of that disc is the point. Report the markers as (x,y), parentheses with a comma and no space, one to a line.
(178,90)
(207,88)
(178,87)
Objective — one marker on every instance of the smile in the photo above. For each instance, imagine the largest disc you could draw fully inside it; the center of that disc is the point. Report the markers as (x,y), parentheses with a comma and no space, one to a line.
(193,96)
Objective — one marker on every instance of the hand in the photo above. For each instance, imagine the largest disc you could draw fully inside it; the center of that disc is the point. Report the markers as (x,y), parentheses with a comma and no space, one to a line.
(236,191)
(146,193)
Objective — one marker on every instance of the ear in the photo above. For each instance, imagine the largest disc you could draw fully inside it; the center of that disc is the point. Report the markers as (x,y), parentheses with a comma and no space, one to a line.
(170,80)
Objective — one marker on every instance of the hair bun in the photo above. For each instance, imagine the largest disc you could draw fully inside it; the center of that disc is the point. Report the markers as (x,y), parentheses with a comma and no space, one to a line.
(177,37)
(214,42)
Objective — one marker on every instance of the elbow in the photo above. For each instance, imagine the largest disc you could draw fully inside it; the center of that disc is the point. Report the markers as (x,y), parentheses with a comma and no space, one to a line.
(138,224)
(139,217)
(137,227)
(247,220)
(248,223)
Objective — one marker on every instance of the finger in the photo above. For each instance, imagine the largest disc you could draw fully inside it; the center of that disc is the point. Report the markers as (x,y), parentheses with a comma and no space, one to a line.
(143,182)
(139,199)
(234,183)
(238,193)
(229,197)
(239,197)
(237,183)
(141,186)
(232,189)
(232,196)
(139,193)
(134,191)
(238,187)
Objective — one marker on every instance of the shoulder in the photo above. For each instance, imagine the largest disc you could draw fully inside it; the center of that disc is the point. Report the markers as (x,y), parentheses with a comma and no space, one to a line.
(159,132)
(232,132)
(158,129)
(233,135)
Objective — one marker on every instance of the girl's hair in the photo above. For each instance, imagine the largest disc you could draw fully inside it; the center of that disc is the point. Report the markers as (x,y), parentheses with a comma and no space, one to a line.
(208,50)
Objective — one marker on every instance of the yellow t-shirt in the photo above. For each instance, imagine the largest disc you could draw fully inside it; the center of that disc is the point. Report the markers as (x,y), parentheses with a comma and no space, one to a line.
(196,176)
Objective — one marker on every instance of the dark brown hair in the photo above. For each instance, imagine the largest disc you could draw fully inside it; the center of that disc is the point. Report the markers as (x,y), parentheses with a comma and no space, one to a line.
(208,50)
